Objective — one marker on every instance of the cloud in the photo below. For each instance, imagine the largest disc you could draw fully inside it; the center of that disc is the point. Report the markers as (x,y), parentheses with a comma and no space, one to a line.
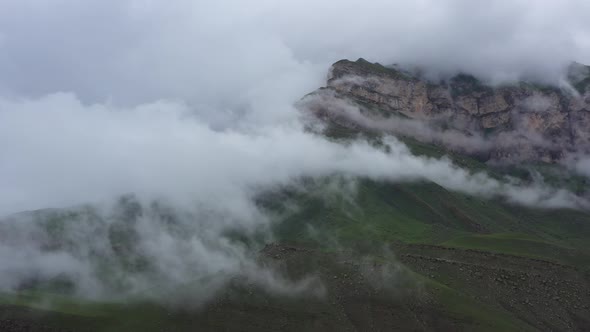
(134,250)
(191,104)
(446,129)
(60,152)
(581,165)
(341,109)
(538,103)
(212,54)
(57,151)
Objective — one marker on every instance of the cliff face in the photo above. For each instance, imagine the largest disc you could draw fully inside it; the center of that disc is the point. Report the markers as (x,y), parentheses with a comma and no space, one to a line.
(518,122)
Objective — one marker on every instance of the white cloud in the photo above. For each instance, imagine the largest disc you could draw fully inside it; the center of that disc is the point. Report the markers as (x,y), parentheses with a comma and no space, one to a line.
(582,166)
(191,102)
(214,53)
(57,151)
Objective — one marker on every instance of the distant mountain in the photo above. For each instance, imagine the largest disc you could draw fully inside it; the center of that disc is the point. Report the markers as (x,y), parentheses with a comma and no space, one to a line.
(509,123)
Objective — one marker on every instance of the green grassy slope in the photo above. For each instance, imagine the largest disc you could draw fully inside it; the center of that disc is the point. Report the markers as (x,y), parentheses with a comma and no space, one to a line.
(427,213)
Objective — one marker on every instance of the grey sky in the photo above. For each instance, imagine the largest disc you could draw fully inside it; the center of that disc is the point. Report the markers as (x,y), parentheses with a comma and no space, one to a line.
(214,53)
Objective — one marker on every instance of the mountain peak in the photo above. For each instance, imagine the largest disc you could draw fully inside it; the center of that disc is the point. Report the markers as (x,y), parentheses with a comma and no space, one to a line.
(509,123)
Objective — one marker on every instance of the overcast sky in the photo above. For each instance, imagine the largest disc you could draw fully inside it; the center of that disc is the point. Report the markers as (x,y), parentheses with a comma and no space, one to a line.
(215,52)
(105,97)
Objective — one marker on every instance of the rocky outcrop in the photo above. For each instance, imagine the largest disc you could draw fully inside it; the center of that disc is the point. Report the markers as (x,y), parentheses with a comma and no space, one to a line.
(518,122)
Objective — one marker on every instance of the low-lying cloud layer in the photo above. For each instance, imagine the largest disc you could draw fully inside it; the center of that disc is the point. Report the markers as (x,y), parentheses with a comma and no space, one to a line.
(191,104)
(444,129)
(68,153)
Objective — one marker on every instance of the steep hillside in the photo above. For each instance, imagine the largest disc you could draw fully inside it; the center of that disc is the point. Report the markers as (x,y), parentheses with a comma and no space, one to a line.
(397,257)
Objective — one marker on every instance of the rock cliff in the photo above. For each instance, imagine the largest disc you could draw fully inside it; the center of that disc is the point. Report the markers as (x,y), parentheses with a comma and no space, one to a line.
(508,123)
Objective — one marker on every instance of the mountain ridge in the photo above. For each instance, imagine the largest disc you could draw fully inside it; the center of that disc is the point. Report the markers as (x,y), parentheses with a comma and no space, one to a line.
(521,122)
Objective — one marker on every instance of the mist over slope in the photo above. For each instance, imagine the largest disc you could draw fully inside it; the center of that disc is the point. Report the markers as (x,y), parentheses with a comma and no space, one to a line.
(153,157)
(193,186)
(86,111)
